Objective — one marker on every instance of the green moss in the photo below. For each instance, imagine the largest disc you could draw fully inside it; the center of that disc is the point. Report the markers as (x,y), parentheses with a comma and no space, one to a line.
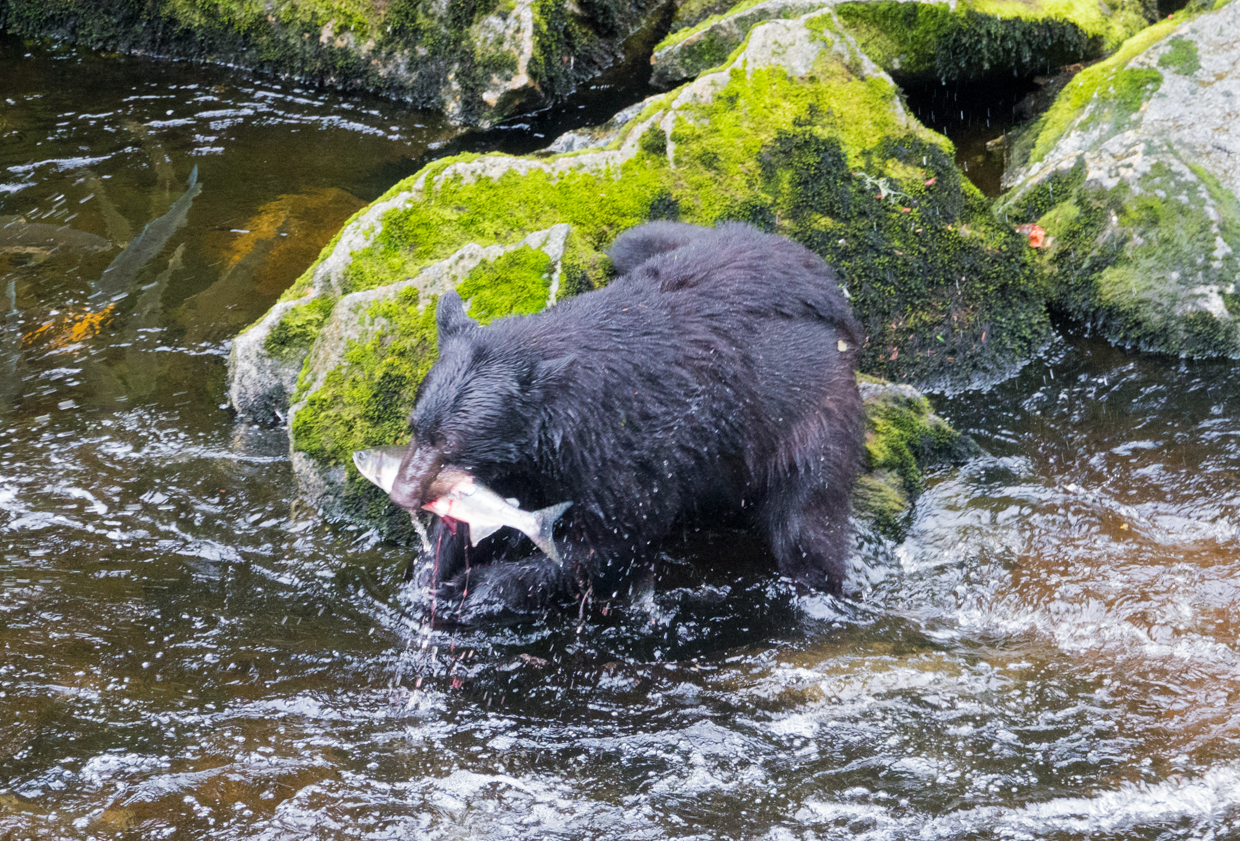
(296,331)
(653,141)
(922,41)
(367,400)
(679,35)
(879,498)
(1123,260)
(1099,85)
(903,438)
(598,204)
(690,13)
(1181,57)
(516,283)
(1108,24)
(582,268)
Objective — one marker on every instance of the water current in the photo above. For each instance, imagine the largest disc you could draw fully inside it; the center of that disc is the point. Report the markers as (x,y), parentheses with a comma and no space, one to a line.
(185,652)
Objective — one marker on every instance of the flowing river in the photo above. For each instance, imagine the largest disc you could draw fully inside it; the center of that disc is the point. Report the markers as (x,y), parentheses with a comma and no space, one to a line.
(185,652)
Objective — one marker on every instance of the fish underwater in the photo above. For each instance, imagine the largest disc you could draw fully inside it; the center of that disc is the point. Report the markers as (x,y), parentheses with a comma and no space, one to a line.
(462,498)
(19,236)
(118,277)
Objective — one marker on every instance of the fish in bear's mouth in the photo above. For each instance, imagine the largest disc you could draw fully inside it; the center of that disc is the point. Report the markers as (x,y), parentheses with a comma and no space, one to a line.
(456,496)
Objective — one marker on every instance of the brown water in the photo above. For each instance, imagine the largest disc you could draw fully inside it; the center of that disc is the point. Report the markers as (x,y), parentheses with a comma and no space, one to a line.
(1050,654)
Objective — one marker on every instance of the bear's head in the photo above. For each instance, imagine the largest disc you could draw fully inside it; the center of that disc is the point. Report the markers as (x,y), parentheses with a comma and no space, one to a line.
(477,409)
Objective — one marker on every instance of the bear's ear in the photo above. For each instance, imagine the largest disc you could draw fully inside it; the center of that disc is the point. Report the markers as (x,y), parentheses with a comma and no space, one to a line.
(450,316)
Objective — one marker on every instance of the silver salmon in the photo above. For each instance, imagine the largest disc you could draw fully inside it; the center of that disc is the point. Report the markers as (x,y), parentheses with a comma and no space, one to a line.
(461,497)
(487,512)
(379,466)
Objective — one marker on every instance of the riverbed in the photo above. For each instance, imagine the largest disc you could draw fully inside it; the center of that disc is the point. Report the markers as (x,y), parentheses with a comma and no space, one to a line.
(187,652)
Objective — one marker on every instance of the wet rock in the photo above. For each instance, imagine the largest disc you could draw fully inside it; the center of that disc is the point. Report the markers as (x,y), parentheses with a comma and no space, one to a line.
(475,62)
(685,54)
(903,439)
(599,136)
(1134,174)
(919,41)
(800,134)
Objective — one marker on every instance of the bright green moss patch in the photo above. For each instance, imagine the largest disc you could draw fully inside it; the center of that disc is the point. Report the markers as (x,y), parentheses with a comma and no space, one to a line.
(1181,57)
(367,400)
(1107,23)
(516,283)
(297,330)
(504,211)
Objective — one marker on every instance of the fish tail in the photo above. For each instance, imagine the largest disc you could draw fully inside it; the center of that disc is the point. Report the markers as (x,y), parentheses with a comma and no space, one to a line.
(546,518)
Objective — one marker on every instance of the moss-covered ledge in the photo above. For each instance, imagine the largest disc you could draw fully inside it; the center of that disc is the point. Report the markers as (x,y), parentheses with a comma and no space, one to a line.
(924,41)
(799,134)
(475,60)
(1133,175)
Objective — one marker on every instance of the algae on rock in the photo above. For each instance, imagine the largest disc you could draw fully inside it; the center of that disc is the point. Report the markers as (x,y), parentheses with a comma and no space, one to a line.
(801,134)
(923,41)
(1133,175)
(477,61)
(903,438)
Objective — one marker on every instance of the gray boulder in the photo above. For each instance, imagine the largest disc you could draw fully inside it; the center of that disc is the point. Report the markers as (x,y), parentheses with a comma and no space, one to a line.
(1134,175)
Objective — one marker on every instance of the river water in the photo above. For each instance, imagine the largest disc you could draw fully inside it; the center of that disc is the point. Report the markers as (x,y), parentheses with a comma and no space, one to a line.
(185,653)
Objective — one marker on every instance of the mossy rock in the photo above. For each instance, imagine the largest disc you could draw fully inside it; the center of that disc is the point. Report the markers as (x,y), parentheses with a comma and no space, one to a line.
(476,60)
(1130,173)
(800,134)
(903,439)
(924,41)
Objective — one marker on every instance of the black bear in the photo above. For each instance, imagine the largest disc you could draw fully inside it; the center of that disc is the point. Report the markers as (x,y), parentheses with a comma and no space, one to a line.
(713,376)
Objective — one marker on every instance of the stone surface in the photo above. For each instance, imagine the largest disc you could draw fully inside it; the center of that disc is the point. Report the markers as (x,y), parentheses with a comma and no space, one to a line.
(1134,174)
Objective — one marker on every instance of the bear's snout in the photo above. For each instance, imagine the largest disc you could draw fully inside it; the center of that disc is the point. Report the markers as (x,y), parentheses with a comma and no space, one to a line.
(418,471)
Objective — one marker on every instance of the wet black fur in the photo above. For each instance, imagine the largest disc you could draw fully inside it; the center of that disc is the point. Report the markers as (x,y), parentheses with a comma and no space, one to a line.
(707,379)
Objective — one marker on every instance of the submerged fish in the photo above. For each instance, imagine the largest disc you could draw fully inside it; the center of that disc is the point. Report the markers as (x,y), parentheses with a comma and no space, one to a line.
(118,277)
(460,497)
(18,235)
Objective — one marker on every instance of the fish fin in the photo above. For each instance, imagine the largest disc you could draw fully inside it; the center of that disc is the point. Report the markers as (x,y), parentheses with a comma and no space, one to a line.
(546,519)
(513,501)
(481,533)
